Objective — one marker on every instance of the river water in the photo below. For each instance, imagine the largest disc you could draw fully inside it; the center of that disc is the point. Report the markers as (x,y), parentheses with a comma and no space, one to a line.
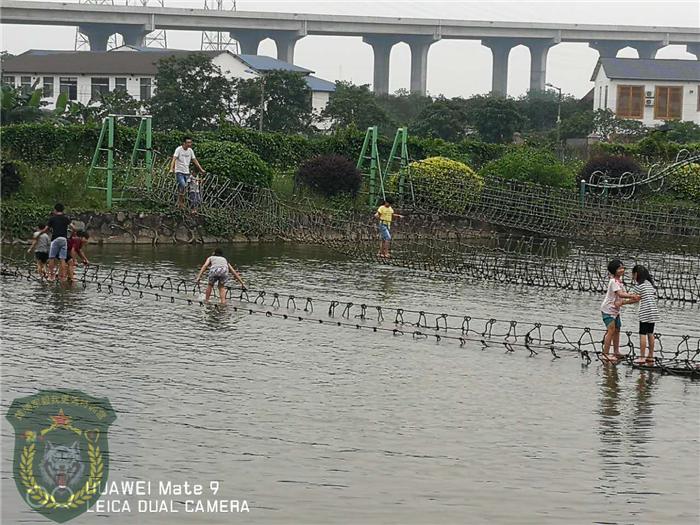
(313,423)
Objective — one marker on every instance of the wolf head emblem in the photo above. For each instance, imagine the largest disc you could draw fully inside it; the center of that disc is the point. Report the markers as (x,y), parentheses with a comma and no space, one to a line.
(61,465)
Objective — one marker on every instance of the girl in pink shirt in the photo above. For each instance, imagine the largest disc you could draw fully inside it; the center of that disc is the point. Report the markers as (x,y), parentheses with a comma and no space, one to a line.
(611,310)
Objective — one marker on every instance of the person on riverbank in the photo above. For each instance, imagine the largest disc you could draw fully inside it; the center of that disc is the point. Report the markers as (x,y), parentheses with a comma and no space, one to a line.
(193,183)
(385,214)
(219,268)
(58,224)
(611,310)
(180,166)
(648,313)
(40,244)
(75,251)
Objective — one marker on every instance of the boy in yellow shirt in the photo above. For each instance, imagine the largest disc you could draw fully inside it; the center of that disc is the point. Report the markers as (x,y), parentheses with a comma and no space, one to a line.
(385,214)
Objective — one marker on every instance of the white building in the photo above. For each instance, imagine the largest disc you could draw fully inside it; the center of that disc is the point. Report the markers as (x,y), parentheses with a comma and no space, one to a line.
(84,75)
(650,90)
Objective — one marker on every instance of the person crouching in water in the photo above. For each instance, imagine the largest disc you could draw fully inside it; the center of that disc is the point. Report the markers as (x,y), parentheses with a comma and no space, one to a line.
(75,249)
(611,310)
(219,269)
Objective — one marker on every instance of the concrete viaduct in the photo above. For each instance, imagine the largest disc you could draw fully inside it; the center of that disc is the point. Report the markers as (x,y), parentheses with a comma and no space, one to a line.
(99,22)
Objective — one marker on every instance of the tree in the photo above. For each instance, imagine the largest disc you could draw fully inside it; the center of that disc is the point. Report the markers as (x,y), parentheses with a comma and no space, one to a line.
(498,119)
(683,132)
(351,104)
(403,107)
(607,125)
(19,107)
(287,105)
(578,126)
(442,119)
(191,93)
(540,109)
(118,102)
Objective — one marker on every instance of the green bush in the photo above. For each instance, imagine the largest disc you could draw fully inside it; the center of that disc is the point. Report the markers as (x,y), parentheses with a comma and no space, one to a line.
(686,181)
(20,218)
(530,165)
(330,175)
(234,162)
(442,184)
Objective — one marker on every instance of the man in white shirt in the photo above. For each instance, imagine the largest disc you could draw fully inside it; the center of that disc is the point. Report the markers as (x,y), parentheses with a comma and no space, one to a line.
(180,165)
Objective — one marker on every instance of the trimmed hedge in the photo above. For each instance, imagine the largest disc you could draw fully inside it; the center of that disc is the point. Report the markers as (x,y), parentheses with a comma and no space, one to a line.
(648,149)
(75,144)
(234,162)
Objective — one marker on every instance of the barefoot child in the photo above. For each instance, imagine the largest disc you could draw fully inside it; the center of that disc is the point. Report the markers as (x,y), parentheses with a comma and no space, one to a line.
(40,245)
(75,250)
(193,182)
(219,269)
(58,224)
(385,214)
(648,313)
(611,310)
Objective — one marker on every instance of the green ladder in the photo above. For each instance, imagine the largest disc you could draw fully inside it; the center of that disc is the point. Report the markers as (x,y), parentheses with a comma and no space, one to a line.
(144,134)
(375,168)
(400,142)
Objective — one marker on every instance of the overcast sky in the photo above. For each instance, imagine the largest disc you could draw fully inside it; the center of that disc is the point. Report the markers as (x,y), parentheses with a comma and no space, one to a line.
(454,67)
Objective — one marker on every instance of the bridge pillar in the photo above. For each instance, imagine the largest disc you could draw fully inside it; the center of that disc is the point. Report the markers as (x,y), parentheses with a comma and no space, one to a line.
(500,49)
(381,44)
(693,49)
(647,49)
(538,62)
(419,62)
(133,35)
(607,48)
(248,40)
(285,42)
(98,35)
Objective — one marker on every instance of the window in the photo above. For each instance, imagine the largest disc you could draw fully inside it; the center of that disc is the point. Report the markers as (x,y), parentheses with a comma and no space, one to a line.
(69,85)
(600,97)
(630,101)
(145,88)
(48,87)
(120,84)
(606,98)
(698,97)
(668,103)
(8,80)
(100,87)
(25,84)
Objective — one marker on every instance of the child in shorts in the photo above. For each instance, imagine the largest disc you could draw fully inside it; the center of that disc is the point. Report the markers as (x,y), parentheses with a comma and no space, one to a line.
(195,196)
(40,244)
(385,214)
(648,313)
(219,268)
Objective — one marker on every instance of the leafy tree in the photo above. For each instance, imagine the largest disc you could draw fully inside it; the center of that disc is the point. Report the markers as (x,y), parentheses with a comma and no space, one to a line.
(351,104)
(683,132)
(498,119)
(118,102)
(330,175)
(540,109)
(442,119)
(607,125)
(403,107)
(578,125)
(287,104)
(191,93)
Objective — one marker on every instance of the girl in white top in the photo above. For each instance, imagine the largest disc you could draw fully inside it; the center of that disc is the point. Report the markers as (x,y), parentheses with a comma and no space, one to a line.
(611,310)
(219,269)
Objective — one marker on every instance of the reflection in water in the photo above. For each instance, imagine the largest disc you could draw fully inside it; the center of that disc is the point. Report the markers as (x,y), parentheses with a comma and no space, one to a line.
(610,430)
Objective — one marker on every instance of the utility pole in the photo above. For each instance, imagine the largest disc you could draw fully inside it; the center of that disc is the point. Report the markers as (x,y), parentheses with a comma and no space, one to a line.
(558,119)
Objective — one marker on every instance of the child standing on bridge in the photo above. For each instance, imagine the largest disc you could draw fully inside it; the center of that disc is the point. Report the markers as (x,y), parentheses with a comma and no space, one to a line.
(648,313)
(193,182)
(219,268)
(385,214)
(40,245)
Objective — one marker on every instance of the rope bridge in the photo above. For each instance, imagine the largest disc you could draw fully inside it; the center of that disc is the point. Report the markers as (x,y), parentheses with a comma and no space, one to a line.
(427,242)
(675,353)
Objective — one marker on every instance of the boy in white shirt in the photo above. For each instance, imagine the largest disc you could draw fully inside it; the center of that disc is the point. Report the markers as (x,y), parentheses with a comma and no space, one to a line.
(180,166)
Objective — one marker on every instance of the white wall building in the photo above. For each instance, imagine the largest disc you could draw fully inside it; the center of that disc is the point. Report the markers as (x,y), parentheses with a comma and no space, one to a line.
(84,75)
(650,90)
